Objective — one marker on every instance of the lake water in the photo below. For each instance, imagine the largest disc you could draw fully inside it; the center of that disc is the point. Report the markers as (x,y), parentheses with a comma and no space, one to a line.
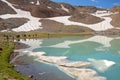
(102,52)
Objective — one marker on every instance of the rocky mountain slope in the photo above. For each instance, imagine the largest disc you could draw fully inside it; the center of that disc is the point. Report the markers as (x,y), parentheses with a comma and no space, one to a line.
(46,15)
(85,18)
(5,9)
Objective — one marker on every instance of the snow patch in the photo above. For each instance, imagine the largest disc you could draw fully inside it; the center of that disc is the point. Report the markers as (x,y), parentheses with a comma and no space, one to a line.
(104,25)
(49,7)
(101,26)
(32,2)
(65,9)
(32,24)
(102,65)
(38,3)
(82,73)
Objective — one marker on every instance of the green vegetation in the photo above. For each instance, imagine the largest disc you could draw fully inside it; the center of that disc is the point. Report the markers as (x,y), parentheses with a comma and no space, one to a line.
(6,69)
(38,35)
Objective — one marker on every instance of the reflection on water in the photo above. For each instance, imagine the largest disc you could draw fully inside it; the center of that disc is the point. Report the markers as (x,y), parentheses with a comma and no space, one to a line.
(100,49)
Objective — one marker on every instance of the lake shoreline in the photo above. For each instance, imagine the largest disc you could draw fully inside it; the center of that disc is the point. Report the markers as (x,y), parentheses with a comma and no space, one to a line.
(26,46)
(6,68)
(63,65)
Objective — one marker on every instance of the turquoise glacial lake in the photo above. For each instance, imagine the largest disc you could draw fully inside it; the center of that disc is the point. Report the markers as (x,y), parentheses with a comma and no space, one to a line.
(94,49)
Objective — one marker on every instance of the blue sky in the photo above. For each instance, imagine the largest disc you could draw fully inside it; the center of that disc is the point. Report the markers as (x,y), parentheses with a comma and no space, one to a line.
(97,3)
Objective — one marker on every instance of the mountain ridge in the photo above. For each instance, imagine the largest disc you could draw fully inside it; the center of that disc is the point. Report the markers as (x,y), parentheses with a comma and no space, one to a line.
(96,19)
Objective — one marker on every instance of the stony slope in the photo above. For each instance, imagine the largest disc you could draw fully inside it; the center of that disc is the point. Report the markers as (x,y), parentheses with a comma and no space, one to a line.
(84,18)
(5,9)
(115,9)
(116,20)
(86,9)
(11,23)
(43,8)
(53,26)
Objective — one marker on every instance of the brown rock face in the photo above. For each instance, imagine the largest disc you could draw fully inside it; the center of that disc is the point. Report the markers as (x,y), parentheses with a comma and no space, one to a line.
(44,12)
(22,2)
(53,26)
(85,18)
(45,9)
(86,9)
(5,9)
(115,20)
(115,9)
(48,8)
(12,23)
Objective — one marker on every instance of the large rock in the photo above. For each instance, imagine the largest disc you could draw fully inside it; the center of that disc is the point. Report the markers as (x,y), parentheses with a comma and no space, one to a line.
(115,20)
(85,18)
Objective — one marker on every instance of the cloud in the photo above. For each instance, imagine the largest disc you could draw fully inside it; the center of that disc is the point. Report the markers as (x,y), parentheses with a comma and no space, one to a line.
(94,0)
(116,4)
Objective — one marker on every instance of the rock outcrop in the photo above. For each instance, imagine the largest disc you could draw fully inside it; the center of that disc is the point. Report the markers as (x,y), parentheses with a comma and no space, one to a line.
(115,9)
(115,20)
(85,18)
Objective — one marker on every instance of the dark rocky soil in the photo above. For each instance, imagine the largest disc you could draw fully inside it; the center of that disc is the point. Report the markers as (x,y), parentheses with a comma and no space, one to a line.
(11,23)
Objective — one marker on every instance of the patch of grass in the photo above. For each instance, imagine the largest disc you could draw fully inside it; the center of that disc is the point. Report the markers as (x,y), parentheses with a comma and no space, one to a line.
(6,69)
(24,35)
(68,34)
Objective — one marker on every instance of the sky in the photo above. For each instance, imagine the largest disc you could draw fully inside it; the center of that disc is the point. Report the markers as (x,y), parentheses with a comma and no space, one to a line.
(97,3)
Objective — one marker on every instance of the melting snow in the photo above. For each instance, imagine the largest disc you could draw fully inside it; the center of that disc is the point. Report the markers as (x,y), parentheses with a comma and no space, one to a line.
(101,26)
(102,65)
(32,24)
(49,7)
(32,2)
(38,3)
(65,9)
(104,25)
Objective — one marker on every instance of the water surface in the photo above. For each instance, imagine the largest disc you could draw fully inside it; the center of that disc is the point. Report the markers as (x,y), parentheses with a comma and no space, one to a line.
(75,49)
